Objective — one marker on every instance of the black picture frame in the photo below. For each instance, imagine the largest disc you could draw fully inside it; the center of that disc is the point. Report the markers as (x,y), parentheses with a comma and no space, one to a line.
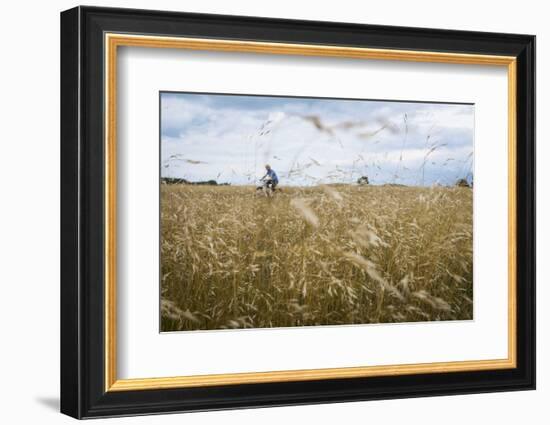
(83,392)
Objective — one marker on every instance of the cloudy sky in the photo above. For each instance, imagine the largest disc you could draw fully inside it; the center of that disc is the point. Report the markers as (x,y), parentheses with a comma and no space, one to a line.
(307,141)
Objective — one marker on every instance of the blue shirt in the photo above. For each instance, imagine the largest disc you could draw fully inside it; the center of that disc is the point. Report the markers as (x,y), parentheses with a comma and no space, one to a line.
(272,175)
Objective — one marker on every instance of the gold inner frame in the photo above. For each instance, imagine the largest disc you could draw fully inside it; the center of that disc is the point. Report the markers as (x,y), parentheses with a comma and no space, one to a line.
(113,41)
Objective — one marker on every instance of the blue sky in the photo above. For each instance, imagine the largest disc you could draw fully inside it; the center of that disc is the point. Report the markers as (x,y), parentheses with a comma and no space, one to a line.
(310,141)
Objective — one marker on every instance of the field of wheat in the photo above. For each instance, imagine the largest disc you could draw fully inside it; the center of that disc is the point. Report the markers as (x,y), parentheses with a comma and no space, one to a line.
(323,255)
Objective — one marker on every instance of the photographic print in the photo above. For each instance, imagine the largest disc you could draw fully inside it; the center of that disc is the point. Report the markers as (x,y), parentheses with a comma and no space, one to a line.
(298,211)
(315,206)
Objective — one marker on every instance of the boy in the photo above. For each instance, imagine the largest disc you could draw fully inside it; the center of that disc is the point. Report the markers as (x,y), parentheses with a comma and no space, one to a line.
(272,176)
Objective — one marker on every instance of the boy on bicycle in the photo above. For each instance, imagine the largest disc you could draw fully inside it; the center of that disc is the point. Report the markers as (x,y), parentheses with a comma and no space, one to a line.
(273,179)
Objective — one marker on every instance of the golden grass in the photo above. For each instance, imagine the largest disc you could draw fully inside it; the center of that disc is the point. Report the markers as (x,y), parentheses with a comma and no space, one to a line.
(324,255)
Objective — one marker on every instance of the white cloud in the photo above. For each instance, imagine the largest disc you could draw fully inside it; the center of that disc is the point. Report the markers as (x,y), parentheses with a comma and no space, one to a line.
(314,140)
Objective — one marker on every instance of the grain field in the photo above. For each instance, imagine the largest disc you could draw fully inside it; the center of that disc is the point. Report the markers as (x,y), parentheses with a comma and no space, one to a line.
(321,255)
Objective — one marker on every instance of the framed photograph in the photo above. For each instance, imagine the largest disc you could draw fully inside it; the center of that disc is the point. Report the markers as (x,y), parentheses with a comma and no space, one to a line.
(261,212)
